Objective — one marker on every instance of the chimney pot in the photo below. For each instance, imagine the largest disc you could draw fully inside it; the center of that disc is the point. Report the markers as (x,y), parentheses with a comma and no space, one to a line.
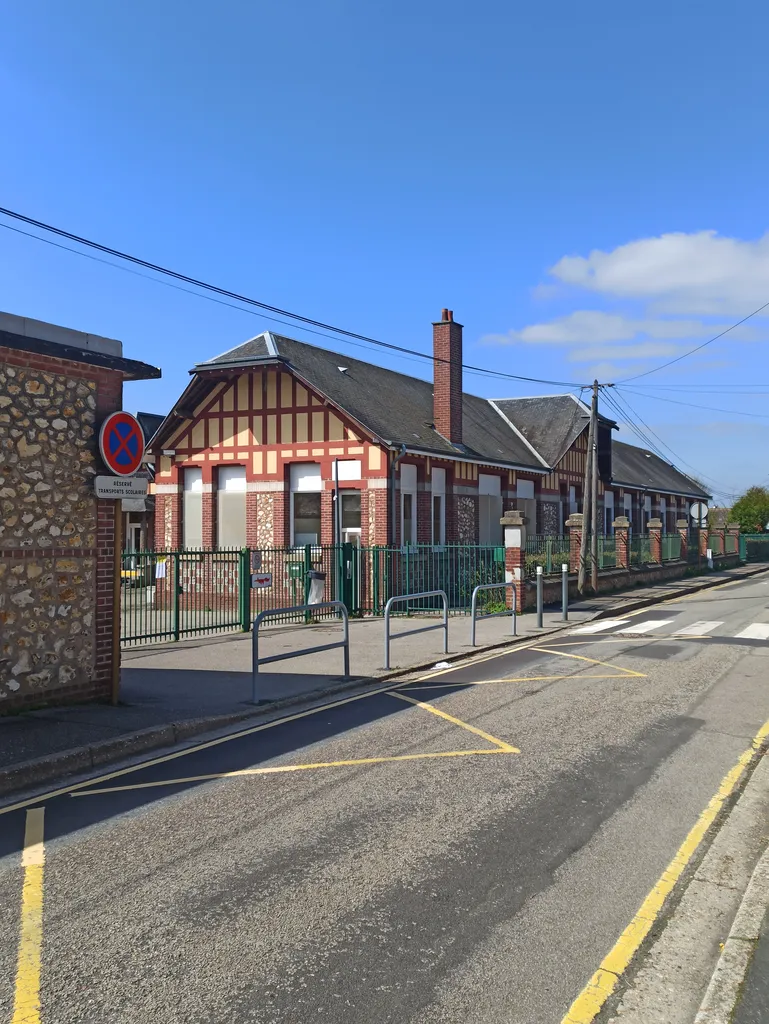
(444,314)
(451,315)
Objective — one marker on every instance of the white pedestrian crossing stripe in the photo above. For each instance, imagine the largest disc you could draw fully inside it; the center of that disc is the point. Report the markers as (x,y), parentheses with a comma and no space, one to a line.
(755,631)
(646,627)
(599,627)
(698,628)
(704,627)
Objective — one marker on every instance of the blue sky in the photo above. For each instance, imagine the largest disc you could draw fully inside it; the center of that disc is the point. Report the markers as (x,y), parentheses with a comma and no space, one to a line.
(585,188)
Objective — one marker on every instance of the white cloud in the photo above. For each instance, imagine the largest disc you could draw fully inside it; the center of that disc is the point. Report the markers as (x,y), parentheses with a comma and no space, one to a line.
(643,350)
(594,326)
(702,273)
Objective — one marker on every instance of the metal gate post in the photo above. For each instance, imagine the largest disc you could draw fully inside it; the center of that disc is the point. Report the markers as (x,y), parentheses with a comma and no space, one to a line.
(540,597)
(177,588)
(564,591)
(244,589)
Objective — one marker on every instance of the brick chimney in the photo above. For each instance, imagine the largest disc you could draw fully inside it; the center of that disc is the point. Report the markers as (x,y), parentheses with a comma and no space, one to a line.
(447,377)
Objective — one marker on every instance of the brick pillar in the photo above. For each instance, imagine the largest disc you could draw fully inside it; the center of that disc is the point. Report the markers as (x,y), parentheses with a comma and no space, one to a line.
(574,526)
(654,526)
(682,525)
(327,529)
(622,539)
(514,532)
(733,530)
(424,517)
(704,541)
(208,512)
(252,518)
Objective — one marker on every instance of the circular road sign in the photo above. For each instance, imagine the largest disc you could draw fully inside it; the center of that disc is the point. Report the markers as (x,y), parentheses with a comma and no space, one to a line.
(699,512)
(121,443)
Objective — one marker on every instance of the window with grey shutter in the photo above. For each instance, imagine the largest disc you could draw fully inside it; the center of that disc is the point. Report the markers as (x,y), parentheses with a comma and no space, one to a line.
(231,507)
(192,509)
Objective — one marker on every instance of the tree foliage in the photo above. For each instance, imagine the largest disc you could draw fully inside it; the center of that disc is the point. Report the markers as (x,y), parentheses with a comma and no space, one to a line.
(751,511)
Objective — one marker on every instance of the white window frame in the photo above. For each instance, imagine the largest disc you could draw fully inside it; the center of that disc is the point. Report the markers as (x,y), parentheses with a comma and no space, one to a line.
(230,480)
(192,484)
(439,495)
(304,478)
(408,481)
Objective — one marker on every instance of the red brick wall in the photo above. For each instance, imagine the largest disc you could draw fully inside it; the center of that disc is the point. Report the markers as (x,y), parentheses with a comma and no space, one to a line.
(447,371)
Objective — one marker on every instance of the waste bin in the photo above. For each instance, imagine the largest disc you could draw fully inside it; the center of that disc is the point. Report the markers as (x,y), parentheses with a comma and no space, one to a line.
(317,583)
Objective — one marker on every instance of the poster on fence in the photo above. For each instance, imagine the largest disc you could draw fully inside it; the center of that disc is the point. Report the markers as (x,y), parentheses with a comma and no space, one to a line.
(160,568)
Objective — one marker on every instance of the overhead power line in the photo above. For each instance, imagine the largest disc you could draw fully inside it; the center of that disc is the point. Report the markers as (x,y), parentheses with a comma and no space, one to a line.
(697,348)
(643,432)
(693,405)
(226,293)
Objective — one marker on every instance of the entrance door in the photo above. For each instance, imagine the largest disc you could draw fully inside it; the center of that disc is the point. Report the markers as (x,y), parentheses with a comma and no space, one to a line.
(350,556)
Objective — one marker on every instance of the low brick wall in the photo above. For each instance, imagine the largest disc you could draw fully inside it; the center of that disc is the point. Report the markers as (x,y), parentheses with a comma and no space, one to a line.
(617,579)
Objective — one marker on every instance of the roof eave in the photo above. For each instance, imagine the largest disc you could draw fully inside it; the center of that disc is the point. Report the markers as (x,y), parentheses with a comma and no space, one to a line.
(660,490)
(477,460)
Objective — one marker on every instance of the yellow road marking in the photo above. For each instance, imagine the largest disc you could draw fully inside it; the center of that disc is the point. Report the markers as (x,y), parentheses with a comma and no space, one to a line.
(591,999)
(593,661)
(506,747)
(504,653)
(189,750)
(279,769)
(517,679)
(26,1003)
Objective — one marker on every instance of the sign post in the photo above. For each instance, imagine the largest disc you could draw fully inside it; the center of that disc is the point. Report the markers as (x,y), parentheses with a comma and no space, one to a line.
(121,444)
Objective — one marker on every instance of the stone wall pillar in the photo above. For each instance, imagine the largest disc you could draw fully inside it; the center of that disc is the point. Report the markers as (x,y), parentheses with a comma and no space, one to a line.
(574,525)
(733,530)
(682,525)
(622,540)
(654,526)
(514,533)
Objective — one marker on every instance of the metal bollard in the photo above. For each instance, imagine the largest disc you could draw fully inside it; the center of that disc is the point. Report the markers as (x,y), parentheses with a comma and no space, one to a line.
(539,597)
(565,591)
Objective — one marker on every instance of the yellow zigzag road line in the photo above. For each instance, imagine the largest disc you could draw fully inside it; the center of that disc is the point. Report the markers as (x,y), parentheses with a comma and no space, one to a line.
(282,768)
(593,661)
(456,721)
(589,1002)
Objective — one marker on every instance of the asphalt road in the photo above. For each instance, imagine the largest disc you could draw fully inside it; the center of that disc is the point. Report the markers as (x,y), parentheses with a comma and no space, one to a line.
(485,884)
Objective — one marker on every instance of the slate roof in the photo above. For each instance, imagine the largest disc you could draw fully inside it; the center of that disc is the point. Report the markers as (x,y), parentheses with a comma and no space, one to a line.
(149,422)
(398,409)
(550,423)
(637,467)
(395,407)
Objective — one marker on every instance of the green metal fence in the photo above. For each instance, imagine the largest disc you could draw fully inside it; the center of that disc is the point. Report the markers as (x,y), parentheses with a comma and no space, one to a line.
(607,553)
(640,549)
(167,595)
(716,544)
(671,547)
(548,550)
(754,547)
(731,544)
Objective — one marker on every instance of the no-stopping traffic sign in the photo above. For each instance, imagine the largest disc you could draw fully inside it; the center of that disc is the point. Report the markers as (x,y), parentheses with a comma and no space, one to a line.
(121,443)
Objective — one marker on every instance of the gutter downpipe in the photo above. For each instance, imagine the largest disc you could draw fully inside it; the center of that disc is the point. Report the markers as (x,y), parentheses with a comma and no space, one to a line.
(393,466)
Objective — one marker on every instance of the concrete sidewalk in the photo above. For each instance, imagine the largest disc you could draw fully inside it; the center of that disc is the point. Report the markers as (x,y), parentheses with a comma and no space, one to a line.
(170,692)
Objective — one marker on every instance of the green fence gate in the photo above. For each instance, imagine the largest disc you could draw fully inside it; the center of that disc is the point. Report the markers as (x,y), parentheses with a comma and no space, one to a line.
(167,595)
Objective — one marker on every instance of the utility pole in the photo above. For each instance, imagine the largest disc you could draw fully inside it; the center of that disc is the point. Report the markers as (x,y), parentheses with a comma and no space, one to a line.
(586,505)
(594,492)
